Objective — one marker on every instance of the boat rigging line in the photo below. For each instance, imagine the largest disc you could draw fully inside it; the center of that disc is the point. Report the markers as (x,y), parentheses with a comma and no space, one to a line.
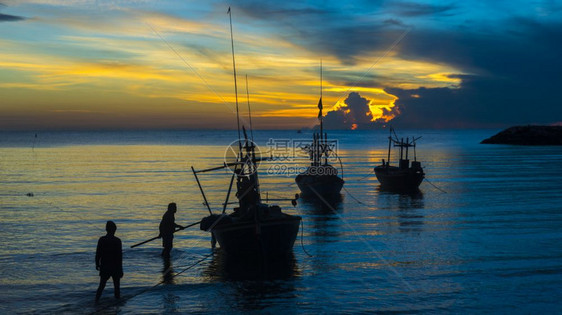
(249,111)
(235,82)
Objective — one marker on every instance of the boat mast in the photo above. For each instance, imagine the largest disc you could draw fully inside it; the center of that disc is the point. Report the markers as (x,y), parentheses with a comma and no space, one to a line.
(315,149)
(321,147)
(389,146)
(407,146)
(249,112)
(235,83)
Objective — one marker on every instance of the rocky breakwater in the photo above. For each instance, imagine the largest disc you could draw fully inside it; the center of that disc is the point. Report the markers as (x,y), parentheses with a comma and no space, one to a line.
(528,135)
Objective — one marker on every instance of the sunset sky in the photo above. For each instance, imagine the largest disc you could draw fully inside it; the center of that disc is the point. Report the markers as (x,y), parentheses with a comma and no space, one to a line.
(168,64)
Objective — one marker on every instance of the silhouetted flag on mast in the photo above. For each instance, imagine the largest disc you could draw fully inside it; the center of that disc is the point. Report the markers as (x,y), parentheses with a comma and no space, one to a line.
(320,108)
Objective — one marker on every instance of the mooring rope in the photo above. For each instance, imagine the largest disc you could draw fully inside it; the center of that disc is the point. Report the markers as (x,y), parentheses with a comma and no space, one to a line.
(427,180)
(350,195)
(362,178)
(302,243)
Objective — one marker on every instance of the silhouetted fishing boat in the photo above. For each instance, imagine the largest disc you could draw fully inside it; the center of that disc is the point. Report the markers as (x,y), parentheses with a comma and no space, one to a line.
(404,177)
(253,227)
(320,178)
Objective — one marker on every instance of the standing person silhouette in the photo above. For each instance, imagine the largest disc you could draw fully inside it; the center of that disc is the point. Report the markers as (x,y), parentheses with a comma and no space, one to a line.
(109,259)
(167,228)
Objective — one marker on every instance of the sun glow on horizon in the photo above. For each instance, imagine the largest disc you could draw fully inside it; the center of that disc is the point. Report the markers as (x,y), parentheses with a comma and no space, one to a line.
(149,64)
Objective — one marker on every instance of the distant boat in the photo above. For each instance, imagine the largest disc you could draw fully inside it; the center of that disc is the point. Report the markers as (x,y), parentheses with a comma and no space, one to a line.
(320,178)
(404,177)
(254,227)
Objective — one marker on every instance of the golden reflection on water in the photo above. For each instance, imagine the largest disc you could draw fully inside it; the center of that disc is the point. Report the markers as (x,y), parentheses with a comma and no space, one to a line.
(83,186)
(86,185)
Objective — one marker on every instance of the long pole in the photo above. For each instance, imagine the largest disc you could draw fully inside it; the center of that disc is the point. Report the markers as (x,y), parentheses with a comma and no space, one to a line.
(229,190)
(235,82)
(157,237)
(201,189)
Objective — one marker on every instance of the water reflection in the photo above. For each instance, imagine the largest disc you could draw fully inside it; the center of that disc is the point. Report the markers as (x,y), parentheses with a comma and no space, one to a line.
(170,302)
(331,205)
(255,281)
(225,267)
(324,216)
(408,216)
(408,192)
(167,271)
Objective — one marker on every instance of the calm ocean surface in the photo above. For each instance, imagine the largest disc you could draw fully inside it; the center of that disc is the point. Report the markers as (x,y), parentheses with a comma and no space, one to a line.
(491,242)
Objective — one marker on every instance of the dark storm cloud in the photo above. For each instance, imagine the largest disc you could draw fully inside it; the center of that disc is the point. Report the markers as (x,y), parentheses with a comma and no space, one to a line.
(525,48)
(8,17)
(329,29)
(514,63)
(516,78)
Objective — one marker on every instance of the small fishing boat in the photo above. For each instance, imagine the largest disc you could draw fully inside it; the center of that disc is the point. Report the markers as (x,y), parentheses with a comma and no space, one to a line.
(404,177)
(320,178)
(254,227)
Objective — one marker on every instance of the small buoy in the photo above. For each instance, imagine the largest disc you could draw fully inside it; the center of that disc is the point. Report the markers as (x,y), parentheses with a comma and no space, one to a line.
(29,194)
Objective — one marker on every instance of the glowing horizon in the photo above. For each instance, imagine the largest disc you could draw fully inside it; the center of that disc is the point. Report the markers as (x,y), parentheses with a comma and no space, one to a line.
(159,64)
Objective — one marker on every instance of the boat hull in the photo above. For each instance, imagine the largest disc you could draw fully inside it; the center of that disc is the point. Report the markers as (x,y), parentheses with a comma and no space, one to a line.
(397,179)
(323,185)
(270,237)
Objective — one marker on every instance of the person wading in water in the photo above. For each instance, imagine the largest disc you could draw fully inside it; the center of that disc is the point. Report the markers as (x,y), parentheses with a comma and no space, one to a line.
(109,260)
(167,228)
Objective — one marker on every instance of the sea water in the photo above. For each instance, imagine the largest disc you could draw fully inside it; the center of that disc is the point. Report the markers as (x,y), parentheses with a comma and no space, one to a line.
(483,234)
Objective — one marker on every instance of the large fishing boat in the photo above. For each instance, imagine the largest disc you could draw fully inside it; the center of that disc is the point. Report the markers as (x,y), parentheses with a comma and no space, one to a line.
(404,177)
(253,227)
(320,178)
